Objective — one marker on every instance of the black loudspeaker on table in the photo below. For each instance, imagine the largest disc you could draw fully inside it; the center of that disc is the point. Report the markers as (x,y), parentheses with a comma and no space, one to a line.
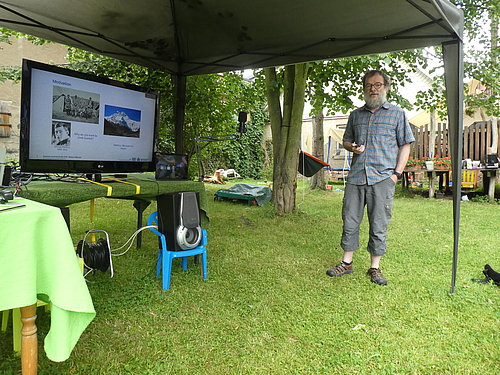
(179,220)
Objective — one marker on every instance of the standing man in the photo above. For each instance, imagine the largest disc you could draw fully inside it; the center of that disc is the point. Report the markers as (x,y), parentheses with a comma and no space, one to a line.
(379,136)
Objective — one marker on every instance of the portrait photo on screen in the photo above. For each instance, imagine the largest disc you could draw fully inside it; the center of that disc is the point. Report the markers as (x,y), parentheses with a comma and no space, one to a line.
(61,133)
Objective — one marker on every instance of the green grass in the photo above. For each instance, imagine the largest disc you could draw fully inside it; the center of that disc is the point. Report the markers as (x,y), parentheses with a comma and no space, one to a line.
(268,307)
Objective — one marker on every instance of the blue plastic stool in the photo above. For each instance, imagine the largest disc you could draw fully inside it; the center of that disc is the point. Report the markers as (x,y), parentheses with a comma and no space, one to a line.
(165,257)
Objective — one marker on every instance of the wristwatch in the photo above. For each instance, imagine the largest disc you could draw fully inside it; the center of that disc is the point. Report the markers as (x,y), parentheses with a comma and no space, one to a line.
(398,175)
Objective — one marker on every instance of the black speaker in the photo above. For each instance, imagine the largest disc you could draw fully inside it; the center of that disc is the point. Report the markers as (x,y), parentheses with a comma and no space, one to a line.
(179,220)
(7,175)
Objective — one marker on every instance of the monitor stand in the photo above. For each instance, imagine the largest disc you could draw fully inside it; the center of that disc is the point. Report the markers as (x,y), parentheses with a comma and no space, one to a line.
(96,177)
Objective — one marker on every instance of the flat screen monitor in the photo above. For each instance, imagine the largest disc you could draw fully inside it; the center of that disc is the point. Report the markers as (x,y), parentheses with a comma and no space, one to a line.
(73,122)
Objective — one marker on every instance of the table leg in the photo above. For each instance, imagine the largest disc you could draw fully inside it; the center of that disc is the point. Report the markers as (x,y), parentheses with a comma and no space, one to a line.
(432,188)
(440,182)
(491,186)
(489,180)
(140,206)
(29,344)
(404,180)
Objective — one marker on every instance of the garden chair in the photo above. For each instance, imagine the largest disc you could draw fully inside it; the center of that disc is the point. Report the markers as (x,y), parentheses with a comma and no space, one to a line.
(166,257)
(469,178)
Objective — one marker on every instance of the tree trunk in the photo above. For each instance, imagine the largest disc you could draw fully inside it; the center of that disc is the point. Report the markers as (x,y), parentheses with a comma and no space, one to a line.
(494,46)
(494,134)
(432,136)
(286,128)
(318,150)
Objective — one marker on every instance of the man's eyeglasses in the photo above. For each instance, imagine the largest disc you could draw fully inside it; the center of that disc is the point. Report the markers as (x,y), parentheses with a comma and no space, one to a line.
(377,85)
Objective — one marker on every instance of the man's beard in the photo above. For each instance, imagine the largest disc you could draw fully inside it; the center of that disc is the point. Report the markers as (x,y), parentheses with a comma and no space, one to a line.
(377,102)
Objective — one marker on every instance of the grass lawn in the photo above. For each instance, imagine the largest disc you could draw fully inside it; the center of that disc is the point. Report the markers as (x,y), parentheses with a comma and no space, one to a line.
(268,307)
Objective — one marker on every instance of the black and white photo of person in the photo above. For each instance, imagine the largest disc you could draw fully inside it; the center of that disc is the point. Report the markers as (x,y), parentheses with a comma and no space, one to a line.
(61,133)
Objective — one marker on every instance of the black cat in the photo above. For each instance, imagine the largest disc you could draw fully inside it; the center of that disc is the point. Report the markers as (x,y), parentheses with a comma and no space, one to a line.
(491,274)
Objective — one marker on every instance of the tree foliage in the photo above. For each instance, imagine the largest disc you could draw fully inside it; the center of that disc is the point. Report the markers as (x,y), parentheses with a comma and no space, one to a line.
(244,154)
(333,83)
(481,52)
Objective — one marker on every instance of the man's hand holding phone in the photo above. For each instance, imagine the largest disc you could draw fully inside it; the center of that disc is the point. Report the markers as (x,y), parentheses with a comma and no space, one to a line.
(357,149)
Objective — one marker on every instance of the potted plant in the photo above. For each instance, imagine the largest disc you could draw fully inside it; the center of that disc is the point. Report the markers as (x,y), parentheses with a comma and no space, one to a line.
(442,163)
(413,163)
(428,162)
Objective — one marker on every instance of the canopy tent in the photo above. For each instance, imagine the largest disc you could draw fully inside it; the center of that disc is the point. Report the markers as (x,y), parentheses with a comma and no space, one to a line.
(208,36)
(187,37)
(337,135)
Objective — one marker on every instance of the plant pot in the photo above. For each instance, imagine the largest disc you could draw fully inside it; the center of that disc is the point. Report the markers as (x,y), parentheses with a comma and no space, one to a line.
(429,165)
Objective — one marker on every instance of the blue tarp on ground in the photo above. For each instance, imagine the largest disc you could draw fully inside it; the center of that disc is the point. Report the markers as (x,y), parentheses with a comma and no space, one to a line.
(261,194)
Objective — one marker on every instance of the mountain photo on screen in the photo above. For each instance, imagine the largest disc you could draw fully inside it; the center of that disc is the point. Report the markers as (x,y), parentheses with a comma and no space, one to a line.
(122,122)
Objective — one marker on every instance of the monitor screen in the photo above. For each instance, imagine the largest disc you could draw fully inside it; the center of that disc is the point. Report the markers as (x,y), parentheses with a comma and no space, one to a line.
(74,122)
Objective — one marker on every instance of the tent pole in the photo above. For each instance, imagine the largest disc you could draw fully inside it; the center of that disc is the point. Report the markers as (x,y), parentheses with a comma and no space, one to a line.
(454,73)
(327,175)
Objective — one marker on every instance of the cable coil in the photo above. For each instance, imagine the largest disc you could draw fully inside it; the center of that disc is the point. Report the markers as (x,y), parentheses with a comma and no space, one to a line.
(95,256)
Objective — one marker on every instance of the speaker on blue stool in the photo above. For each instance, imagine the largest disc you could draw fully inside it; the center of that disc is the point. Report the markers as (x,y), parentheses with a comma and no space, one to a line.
(179,220)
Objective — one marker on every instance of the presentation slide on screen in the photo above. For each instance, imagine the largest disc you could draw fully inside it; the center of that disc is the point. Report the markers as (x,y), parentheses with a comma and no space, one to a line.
(77,119)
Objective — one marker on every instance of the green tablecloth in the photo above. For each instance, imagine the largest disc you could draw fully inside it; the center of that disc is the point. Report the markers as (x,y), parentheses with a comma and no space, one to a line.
(61,194)
(37,260)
